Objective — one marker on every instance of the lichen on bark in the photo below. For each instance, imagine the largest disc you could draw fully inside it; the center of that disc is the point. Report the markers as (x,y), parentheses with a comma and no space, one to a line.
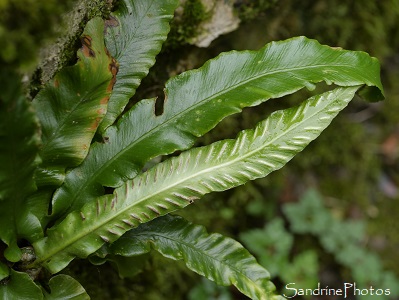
(62,52)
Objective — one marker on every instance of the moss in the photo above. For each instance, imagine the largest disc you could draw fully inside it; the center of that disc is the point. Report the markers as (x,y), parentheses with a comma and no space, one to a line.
(185,25)
(250,9)
(342,161)
(63,51)
(24,26)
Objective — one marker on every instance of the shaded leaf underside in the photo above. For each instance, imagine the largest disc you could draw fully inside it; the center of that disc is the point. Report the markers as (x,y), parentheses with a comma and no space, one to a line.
(197,100)
(134,36)
(179,181)
(214,256)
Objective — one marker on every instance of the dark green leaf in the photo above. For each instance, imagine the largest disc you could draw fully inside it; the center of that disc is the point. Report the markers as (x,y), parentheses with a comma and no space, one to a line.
(4,271)
(64,287)
(19,142)
(127,266)
(181,180)
(72,105)
(19,286)
(197,100)
(134,36)
(218,258)
(19,146)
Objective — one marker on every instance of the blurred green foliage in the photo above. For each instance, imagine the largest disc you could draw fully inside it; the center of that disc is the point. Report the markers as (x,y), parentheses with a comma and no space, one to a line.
(207,289)
(273,246)
(342,238)
(250,9)
(185,24)
(345,163)
(24,26)
(277,249)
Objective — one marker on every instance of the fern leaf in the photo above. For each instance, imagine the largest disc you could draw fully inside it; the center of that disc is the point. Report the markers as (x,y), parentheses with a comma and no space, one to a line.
(72,105)
(198,100)
(179,181)
(218,258)
(134,36)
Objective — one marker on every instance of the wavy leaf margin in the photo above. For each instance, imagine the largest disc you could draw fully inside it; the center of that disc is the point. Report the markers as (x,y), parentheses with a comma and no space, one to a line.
(180,181)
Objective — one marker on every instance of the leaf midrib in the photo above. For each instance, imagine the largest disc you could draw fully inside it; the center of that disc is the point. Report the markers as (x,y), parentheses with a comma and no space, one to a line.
(63,122)
(188,245)
(96,227)
(104,166)
(166,123)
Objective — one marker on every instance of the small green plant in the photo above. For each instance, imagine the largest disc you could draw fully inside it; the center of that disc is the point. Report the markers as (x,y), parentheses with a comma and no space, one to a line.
(273,245)
(72,185)
(343,239)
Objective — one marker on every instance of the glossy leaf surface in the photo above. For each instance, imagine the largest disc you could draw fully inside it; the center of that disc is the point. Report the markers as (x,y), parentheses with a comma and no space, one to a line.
(179,181)
(197,100)
(218,258)
(73,104)
(4,271)
(20,286)
(127,266)
(65,287)
(134,36)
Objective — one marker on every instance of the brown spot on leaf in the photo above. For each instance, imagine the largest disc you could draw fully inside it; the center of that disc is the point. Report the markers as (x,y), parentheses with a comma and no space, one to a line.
(86,46)
(56,83)
(113,68)
(104,100)
(113,202)
(101,111)
(135,217)
(95,124)
(111,22)
(127,222)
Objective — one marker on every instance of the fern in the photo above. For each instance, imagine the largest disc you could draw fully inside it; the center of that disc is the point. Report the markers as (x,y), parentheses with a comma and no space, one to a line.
(59,206)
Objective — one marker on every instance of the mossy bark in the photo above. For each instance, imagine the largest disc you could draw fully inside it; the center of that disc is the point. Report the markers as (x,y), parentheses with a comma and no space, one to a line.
(63,51)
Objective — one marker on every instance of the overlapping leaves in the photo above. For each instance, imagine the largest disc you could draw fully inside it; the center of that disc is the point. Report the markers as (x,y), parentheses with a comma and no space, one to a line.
(214,256)
(72,105)
(19,146)
(198,100)
(179,181)
(134,35)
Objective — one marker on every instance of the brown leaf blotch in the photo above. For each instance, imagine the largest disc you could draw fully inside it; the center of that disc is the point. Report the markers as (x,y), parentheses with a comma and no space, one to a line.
(111,22)
(95,124)
(104,100)
(86,46)
(113,68)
